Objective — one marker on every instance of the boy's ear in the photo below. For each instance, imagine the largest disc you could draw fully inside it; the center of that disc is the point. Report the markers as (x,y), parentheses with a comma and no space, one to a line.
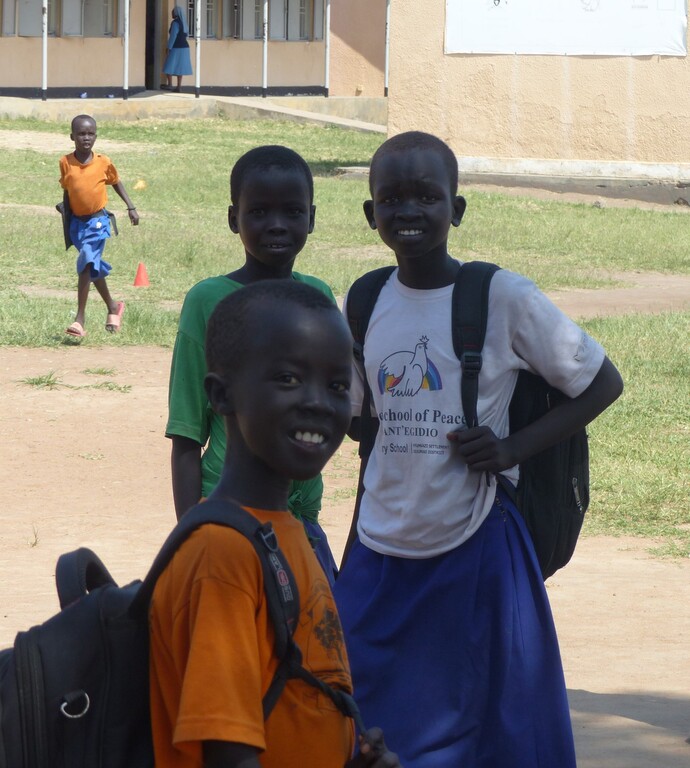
(368,206)
(312,216)
(232,220)
(459,205)
(218,393)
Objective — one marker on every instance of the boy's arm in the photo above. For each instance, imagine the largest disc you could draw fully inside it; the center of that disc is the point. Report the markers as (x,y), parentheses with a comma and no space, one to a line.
(225,754)
(131,209)
(185,462)
(483,451)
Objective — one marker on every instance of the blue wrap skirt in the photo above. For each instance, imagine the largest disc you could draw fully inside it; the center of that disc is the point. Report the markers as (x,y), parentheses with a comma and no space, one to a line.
(89,239)
(456,656)
(178,62)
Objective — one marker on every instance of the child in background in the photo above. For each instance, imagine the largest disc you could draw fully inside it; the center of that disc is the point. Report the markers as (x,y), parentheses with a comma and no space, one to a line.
(84,176)
(272,210)
(279,369)
(447,621)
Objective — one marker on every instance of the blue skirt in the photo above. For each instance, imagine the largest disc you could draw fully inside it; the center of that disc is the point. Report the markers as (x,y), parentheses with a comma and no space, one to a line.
(178,62)
(89,239)
(456,656)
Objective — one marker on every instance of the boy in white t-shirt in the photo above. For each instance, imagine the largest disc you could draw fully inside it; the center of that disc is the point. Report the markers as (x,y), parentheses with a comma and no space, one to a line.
(449,629)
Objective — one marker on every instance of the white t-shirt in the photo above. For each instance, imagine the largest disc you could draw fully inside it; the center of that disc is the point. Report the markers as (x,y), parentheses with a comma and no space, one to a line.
(420,499)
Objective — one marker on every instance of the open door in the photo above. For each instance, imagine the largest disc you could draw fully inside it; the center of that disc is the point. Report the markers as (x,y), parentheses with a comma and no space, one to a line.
(154,50)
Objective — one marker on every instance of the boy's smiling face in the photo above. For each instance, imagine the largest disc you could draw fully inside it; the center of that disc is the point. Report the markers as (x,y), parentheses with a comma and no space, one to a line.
(289,400)
(274,215)
(413,206)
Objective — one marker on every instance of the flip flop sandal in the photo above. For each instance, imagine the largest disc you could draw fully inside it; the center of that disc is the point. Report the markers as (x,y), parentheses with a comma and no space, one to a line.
(114,321)
(76,329)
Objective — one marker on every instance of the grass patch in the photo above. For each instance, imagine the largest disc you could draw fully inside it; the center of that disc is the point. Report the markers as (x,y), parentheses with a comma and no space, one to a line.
(99,371)
(111,386)
(47,381)
(183,236)
(641,446)
(51,380)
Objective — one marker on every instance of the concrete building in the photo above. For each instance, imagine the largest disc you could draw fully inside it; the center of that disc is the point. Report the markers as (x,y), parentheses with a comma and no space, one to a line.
(577,115)
(246,47)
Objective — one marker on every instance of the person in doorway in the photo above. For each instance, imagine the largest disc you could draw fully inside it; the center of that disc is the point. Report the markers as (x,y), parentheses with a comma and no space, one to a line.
(178,61)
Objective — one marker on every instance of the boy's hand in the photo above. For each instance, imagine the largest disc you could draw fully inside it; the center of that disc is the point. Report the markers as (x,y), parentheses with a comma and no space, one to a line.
(481,450)
(373,752)
(133,215)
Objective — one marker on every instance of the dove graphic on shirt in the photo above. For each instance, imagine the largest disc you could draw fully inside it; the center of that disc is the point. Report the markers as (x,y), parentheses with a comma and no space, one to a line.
(403,372)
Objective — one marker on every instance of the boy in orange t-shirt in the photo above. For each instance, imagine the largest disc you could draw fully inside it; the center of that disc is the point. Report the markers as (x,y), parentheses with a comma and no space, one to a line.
(279,368)
(84,176)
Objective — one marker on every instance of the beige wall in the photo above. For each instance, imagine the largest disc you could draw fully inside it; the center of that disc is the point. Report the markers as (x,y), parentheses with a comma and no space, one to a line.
(75,61)
(238,63)
(358,29)
(624,116)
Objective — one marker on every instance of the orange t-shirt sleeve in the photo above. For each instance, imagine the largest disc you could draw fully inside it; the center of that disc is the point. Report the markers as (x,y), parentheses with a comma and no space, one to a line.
(220,697)
(111,175)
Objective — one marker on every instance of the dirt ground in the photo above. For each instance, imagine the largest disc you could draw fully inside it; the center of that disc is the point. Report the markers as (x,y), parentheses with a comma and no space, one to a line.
(86,464)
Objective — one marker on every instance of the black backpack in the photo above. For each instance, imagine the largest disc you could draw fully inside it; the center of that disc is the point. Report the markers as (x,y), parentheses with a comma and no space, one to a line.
(553,490)
(74,691)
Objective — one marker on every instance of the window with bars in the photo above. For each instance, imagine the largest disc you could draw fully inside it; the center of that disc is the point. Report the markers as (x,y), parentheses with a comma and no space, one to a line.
(287,19)
(24,17)
(97,18)
(239,19)
(208,18)
(71,18)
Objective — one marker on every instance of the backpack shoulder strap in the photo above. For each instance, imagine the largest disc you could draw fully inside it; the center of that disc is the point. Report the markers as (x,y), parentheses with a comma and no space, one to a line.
(280,586)
(281,590)
(470,311)
(361,300)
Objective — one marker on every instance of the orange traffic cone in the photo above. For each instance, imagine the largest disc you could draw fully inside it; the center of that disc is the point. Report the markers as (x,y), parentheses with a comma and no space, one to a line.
(142,278)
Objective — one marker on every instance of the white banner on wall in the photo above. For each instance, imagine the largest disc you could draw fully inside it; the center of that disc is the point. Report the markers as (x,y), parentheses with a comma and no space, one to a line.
(567,27)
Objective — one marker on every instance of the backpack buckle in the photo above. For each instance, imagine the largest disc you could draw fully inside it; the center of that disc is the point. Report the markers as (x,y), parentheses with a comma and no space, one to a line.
(269,538)
(471,363)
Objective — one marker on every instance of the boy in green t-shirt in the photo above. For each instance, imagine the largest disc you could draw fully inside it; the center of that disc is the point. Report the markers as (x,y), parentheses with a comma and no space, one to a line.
(272,210)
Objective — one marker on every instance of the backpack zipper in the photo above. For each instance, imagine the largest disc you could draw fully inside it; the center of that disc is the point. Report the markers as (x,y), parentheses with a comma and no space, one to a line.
(576,491)
(30,693)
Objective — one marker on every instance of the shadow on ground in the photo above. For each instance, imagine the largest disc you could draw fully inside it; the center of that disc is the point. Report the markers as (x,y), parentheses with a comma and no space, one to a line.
(649,729)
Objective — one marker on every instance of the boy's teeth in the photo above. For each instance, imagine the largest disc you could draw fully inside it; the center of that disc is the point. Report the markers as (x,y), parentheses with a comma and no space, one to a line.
(309,437)
(410,231)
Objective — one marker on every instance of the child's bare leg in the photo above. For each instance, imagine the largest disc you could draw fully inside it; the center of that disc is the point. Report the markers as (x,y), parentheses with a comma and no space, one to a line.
(83,287)
(102,288)
(111,304)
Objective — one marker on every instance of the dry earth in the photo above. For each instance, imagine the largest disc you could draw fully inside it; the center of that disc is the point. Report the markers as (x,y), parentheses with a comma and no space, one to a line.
(89,466)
